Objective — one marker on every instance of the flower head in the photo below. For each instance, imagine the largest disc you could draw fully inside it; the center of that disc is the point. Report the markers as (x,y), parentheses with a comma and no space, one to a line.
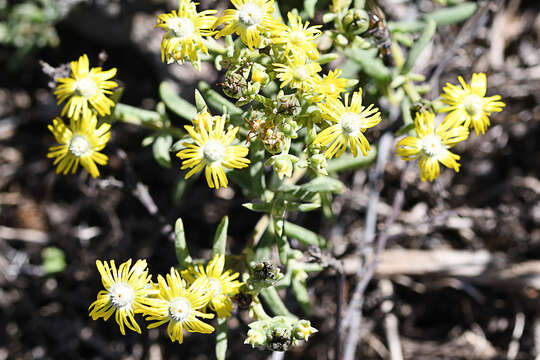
(298,37)
(431,145)
(468,105)
(250,20)
(212,150)
(298,73)
(86,89)
(180,306)
(350,123)
(223,284)
(330,85)
(126,293)
(79,143)
(185,30)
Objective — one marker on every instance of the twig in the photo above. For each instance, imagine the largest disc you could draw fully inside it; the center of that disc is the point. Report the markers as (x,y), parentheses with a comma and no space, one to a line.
(140,191)
(390,321)
(536,337)
(355,306)
(28,235)
(519,325)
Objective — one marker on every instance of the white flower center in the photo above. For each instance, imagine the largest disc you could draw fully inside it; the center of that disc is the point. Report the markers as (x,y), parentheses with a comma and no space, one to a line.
(86,87)
(213,151)
(300,73)
(215,286)
(181,27)
(432,145)
(122,295)
(473,104)
(350,123)
(250,15)
(298,37)
(79,145)
(179,309)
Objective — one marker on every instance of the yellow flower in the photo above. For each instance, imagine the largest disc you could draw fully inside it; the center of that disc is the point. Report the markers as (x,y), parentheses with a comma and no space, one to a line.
(431,145)
(126,293)
(298,37)
(179,306)
(79,143)
(86,89)
(468,104)
(250,20)
(350,123)
(297,72)
(212,149)
(222,284)
(330,85)
(185,30)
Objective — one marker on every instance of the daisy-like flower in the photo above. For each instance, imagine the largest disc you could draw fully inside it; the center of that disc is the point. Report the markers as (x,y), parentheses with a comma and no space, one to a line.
(126,293)
(431,145)
(350,123)
(330,85)
(299,38)
(180,306)
(212,150)
(185,30)
(79,143)
(250,19)
(223,284)
(86,89)
(297,73)
(468,104)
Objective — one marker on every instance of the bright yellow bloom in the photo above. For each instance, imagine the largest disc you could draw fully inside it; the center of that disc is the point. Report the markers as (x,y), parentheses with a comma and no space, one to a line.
(350,123)
(79,143)
(297,72)
(185,30)
(250,20)
(212,149)
(126,293)
(86,89)
(468,104)
(299,38)
(179,306)
(431,145)
(223,284)
(330,85)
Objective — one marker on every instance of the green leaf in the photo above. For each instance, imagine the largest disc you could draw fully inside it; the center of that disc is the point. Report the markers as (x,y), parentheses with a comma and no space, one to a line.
(444,16)
(349,162)
(258,207)
(220,239)
(182,252)
(301,294)
(419,46)
(309,6)
(161,149)
(199,102)
(221,339)
(305,236)
(54,260)
(308,207)
(274,302)
(324,184)
(370,63)
(175,103)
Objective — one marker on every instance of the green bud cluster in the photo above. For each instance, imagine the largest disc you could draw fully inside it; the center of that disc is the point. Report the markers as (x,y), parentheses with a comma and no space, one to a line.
(279,333)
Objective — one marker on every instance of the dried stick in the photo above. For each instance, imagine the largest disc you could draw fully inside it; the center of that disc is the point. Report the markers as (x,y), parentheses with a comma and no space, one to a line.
(366,273)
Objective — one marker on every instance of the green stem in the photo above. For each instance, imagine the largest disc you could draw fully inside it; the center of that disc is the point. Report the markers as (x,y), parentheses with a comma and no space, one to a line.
(145,118)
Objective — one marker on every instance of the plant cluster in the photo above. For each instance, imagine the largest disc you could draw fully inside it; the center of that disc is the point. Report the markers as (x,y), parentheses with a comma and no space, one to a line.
(284,125)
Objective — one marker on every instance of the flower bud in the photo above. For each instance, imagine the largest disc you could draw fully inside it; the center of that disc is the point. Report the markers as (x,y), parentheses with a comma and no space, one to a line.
(303,330)
(259,75)
(356,21)
(234,85)
(255,337)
